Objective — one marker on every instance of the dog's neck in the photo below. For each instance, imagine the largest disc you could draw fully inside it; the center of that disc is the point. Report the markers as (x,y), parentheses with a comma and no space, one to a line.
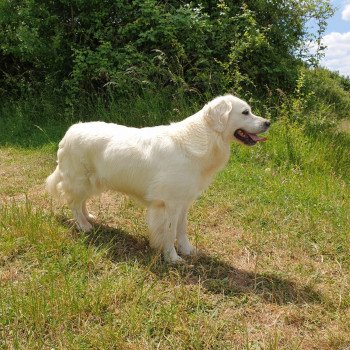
(202,142)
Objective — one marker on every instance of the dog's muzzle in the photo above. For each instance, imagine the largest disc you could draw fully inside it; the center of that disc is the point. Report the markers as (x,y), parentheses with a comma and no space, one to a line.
(250,139)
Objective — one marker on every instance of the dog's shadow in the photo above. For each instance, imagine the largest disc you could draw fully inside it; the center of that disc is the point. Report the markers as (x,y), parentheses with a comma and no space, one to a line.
(215,276)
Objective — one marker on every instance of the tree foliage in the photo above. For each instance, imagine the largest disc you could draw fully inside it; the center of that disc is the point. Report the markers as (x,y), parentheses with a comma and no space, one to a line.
(202,46)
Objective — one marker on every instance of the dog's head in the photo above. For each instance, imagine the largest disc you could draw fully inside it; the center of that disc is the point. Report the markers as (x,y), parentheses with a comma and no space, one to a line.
(233,118)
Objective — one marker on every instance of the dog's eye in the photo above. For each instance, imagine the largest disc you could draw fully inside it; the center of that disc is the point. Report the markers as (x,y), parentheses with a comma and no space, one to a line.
(245,112)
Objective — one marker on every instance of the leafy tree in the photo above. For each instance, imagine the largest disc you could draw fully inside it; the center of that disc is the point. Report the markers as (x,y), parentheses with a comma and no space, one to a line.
(206,46)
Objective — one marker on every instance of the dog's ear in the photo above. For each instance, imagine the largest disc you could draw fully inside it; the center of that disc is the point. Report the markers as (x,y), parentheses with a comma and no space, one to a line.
(217,114)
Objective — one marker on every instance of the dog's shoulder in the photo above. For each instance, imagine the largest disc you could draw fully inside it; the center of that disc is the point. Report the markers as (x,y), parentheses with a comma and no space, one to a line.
(191,137)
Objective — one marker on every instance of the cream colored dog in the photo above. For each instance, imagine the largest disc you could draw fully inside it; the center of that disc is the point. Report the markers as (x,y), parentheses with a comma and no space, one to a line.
(164,167)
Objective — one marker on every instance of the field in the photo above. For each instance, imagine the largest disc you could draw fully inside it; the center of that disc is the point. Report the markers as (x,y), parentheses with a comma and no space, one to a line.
(273,233)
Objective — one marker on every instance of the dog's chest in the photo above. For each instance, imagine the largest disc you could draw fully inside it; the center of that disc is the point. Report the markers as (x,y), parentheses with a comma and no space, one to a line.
(215,161)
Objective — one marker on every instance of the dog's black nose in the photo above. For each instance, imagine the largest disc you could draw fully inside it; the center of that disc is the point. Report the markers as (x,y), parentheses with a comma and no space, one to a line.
(267,124)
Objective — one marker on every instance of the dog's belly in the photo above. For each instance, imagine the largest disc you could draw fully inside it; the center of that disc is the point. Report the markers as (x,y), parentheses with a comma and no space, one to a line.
(127,181)
(147,186)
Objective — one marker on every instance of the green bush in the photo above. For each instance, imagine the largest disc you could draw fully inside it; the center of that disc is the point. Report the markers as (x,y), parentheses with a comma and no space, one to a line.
(329,90)
(208,47)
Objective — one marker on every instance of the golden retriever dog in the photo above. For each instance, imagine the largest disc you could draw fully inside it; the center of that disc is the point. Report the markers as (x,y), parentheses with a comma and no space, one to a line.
(165,167)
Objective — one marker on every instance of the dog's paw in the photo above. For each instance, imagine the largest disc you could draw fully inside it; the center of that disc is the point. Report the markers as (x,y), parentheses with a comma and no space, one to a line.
(172,257)
(176,260)
(85,227)
(187,250)
(91,217)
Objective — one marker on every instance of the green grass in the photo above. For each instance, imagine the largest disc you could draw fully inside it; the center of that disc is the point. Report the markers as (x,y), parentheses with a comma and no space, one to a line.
(273,230)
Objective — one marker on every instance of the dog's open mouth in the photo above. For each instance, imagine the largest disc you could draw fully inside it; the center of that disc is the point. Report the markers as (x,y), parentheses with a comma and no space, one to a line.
(247,138)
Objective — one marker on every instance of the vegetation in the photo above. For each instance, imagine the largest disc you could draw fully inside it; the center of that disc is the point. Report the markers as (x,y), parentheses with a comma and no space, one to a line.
(273,229)
(204,46)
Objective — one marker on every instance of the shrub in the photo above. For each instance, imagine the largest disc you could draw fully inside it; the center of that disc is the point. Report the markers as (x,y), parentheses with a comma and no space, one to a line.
(204,46)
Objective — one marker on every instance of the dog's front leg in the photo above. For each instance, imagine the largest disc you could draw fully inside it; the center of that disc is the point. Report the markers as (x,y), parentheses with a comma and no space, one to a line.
(162,220)
(183,243)
(172,218)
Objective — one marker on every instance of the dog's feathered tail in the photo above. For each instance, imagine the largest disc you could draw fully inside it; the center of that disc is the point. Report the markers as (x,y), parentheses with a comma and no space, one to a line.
(52,183)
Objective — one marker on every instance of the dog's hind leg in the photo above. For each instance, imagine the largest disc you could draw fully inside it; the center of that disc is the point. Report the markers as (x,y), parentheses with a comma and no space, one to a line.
(77,203)
(77,210)
(183,243)
(162,222)
(86,213)
(77,188)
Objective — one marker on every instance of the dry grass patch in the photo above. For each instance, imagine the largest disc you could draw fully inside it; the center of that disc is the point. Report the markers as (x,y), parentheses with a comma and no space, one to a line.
(23,171)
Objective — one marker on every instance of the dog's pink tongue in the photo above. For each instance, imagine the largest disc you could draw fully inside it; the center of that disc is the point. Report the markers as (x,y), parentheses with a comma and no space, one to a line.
(256,138)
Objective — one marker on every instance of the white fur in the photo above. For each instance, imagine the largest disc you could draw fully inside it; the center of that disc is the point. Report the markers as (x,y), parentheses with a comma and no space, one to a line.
(164,167)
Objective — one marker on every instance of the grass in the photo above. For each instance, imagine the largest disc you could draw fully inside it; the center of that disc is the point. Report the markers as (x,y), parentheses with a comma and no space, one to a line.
(273,230)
